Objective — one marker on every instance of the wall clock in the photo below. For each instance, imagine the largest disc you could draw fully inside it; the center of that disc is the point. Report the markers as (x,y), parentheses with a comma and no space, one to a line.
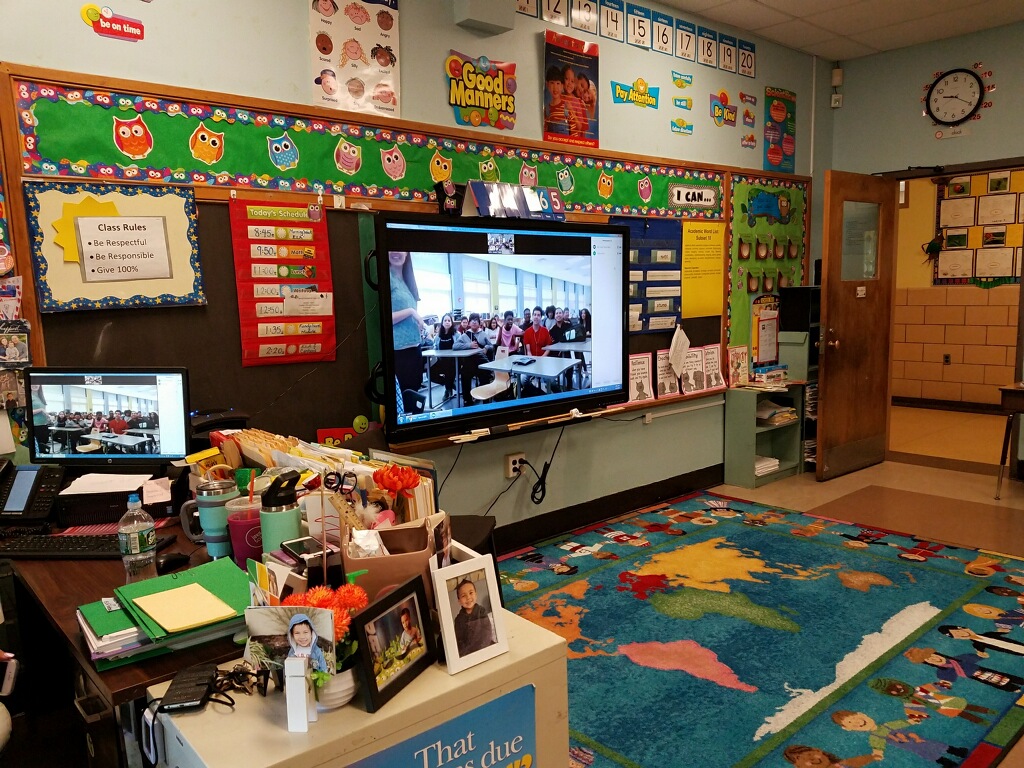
(954,96)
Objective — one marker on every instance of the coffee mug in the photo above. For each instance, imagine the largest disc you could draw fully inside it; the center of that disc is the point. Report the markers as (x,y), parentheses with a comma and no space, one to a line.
(210,499)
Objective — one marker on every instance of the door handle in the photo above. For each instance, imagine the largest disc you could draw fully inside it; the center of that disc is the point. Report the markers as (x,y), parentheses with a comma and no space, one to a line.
(834,344)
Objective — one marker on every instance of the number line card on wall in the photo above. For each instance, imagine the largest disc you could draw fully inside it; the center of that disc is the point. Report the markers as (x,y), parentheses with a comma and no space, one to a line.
(636,24)
(107,246)
(285,288)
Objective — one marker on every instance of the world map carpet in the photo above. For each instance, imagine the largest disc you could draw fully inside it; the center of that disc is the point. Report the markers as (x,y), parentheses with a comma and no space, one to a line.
(710,631)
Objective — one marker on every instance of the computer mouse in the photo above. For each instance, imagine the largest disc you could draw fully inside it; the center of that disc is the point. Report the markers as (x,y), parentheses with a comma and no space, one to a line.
(170,561)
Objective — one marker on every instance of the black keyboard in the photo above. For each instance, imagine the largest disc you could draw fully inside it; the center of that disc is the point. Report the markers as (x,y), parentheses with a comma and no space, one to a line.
(37,547)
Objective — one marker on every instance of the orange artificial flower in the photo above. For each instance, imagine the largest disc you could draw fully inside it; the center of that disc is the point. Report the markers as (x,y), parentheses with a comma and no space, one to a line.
(396,480)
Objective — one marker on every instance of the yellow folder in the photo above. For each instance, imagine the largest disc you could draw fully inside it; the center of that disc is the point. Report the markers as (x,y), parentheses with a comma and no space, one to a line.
(187,607)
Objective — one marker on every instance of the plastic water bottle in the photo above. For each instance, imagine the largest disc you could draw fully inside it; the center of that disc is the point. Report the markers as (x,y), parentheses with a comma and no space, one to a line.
(136,536)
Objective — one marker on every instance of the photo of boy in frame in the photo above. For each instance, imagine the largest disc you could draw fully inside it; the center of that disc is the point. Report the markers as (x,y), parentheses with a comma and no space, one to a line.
(395,641)
(470,606)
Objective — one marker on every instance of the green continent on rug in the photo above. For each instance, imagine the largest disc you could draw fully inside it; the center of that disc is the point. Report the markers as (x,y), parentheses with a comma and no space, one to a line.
(715,632)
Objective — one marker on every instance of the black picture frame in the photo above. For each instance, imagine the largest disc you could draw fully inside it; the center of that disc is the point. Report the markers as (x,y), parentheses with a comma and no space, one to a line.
(378,628)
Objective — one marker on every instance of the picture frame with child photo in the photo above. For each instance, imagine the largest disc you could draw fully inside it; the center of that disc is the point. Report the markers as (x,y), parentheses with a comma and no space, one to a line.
(396,642)
(469,609)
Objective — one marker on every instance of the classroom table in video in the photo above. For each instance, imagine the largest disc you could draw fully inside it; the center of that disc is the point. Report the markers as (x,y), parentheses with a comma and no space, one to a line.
(457,354)
(547,368)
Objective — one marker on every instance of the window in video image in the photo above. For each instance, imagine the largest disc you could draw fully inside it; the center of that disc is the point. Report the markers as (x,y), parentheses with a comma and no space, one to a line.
(108,416)
(551,287)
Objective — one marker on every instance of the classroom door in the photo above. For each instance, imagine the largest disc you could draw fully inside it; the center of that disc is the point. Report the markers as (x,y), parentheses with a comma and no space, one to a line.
(858,270)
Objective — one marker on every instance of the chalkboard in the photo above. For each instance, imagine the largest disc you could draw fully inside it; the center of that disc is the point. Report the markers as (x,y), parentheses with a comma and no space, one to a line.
(284,399)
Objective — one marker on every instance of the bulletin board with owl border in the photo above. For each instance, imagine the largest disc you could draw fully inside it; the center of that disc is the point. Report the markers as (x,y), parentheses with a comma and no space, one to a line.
(981,217)
(53,208)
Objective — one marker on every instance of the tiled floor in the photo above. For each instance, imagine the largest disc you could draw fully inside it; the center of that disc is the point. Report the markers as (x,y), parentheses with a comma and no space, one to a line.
(947,434)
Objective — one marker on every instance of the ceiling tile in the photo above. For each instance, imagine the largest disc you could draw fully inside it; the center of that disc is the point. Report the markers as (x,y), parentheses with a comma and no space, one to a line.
(923,30)
(840,49)
(801,8)
(746,14)
(694,6)
(796,34)
(865,15)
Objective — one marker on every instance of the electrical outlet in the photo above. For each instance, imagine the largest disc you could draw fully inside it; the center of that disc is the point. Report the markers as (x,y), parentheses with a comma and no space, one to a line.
(513,464)
(836,101)
(947,360)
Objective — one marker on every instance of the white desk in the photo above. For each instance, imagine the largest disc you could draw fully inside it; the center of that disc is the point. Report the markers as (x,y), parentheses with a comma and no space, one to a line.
(457,354)
(570,346)
(125,441)
(542,367)
(255,733)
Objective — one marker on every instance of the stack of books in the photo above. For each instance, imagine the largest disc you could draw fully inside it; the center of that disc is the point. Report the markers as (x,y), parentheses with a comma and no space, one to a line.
(771,414)
(166,613)
(765,465)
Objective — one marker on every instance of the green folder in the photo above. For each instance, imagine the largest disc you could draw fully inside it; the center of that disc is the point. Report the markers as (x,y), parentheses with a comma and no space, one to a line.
(221,577)
(104,622)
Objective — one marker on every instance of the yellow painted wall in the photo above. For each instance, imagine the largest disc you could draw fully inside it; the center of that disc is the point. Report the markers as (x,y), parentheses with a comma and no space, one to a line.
(915,227)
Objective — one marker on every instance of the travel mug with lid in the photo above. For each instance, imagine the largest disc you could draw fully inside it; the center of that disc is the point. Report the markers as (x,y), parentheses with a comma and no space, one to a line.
(280,517)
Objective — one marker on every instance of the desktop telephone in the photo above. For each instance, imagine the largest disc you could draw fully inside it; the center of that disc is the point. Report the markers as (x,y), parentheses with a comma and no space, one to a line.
(28,493)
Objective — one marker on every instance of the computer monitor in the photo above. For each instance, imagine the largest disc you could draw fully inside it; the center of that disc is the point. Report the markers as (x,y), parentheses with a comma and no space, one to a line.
(117,418)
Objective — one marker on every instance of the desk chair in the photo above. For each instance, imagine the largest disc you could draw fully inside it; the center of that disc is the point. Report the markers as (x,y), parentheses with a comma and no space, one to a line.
(502,381)
(89,447)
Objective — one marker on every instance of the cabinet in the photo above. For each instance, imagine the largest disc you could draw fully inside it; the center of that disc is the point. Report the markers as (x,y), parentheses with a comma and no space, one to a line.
(799,337)
(746,441)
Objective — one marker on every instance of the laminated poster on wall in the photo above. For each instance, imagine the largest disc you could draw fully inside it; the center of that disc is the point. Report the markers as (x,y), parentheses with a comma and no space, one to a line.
(570,95)
(114,246)
(693,371)
(640,377)
(779,130)
(354,56)
(668,382)
(284,282)
(713,367)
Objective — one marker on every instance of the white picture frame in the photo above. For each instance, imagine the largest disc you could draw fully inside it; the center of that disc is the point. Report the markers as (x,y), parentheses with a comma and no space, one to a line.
(463,649)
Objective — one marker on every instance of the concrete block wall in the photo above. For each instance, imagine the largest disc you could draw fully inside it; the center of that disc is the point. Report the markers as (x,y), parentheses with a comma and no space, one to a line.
(975,327)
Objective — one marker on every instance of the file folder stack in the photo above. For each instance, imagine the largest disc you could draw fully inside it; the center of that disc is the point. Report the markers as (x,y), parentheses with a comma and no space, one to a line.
(167,613)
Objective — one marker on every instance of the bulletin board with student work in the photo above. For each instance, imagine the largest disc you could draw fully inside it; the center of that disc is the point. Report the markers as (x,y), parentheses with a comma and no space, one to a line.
(293,399)
(113,245)
(981,218)
(767,243)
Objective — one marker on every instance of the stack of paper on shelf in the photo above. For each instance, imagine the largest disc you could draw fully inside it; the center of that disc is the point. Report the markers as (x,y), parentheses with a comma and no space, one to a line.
(765,465)
(167,613)
(771,414)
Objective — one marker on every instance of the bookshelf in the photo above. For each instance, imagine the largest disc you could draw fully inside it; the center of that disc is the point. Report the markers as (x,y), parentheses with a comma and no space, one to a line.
(746,440)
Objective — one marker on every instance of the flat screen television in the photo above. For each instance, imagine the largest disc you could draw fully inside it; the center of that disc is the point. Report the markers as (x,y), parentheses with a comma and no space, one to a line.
(431,268)
(111,417)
